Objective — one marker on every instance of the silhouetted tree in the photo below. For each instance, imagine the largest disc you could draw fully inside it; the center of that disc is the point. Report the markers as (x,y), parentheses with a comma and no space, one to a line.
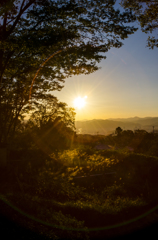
(118,130)
(32,32)
(146,12)
(140,132)
(126,137)
(128,133)
(53,126)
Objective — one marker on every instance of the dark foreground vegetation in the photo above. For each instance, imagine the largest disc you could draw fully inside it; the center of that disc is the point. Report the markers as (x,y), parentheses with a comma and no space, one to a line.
(79,192)
(56,184)
(53,183)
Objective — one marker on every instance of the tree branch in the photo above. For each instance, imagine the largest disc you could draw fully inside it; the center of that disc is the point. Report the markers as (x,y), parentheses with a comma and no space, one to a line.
(7,60)
(22,5)
(40,69)
(18,16)
(5,23)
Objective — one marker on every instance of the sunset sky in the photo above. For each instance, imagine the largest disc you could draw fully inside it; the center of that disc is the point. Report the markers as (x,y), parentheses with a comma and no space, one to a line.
(125,86)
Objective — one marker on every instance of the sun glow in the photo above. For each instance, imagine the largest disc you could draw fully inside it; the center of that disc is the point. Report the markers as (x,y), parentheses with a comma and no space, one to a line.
(80,102)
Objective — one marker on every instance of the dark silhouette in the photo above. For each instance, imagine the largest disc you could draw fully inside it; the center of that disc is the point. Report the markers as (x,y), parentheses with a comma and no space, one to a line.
(118,130)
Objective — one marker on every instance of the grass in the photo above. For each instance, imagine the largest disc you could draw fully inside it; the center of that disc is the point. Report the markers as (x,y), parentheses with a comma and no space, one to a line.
(50,193)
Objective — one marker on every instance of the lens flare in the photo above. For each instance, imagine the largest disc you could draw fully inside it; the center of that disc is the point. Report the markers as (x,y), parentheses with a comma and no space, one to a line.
(80,102)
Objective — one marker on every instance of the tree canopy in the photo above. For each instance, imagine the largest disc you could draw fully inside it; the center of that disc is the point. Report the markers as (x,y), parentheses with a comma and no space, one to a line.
(118,130)
(50,127)
(146,12)
(44,42)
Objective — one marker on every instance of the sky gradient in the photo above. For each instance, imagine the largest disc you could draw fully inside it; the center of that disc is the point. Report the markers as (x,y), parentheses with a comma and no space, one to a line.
(125,86)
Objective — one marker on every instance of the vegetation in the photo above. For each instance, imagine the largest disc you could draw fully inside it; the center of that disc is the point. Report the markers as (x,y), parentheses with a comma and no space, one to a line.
(44,42)
(140,141)
(147,15)
(118,130)
(72,191)
(50,127)
(55,182)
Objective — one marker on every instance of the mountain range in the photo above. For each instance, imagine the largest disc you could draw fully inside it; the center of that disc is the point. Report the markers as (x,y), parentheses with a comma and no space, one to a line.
(107,126)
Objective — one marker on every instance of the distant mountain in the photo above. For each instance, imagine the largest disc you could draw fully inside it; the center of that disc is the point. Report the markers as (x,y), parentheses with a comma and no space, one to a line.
(146,120)
(125,119)
(100,126)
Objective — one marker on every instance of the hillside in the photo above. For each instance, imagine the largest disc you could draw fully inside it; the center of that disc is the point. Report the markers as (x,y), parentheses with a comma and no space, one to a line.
(107,126)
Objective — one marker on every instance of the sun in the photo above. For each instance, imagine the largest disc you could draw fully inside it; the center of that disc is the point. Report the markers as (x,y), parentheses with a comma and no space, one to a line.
(80,102)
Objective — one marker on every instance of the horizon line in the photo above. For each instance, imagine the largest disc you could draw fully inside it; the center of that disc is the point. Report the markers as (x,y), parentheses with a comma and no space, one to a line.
(114,118)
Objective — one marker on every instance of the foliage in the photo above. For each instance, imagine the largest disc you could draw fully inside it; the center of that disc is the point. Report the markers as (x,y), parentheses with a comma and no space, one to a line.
(50,192)
(44,42)
(139,141)
(147,14)
(118,130)
(51,127)
(55,126)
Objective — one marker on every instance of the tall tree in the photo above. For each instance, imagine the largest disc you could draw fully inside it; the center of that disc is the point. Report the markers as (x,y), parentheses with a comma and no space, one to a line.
(44,42)
(52,126)
(146,12)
